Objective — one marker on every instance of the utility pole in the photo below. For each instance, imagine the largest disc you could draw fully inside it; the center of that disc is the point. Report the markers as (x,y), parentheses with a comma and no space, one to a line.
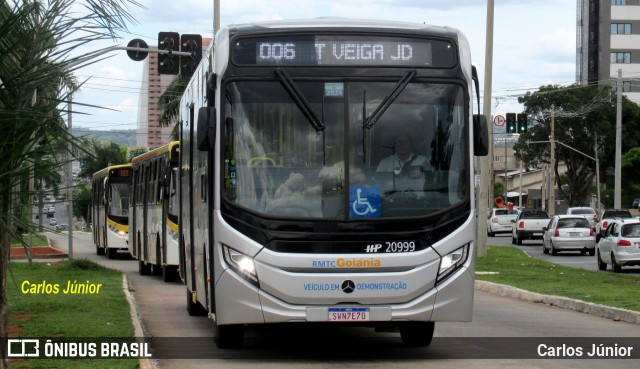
(506,181)
(216,16)
(520,191)
(552,164)
(595,149)
(483,202)
(617,201)
(69,181)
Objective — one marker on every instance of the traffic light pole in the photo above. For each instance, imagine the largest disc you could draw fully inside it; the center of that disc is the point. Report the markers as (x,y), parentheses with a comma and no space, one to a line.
(141,50)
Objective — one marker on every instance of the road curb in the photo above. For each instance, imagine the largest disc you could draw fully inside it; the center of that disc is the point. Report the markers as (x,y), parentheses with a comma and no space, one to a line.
(138,331)
(562,302)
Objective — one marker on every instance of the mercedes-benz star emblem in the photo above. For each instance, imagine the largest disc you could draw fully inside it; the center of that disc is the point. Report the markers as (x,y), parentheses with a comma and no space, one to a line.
(348,286)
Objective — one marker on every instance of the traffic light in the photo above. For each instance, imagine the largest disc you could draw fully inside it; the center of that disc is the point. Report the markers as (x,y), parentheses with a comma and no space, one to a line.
(191,44)
(168,63)
(511,123)
(522,123)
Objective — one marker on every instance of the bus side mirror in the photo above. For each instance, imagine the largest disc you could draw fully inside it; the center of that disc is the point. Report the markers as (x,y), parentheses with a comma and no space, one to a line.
(480,135)
(206,128)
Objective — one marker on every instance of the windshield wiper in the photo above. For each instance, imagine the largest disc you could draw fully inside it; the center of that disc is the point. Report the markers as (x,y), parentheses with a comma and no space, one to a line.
(299,99)
(389,99)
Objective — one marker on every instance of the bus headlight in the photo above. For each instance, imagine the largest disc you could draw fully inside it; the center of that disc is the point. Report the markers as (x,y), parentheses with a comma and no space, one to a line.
(452,261)
(240,263)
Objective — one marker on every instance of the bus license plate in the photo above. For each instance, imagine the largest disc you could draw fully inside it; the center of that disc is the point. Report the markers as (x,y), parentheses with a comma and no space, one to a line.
(348,314)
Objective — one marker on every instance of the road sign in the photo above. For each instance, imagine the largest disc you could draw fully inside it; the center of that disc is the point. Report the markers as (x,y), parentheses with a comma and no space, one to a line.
(137,55)
(499,121)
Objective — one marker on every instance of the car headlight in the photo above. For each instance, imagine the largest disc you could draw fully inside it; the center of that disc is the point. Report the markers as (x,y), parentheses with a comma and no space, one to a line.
(452,261)
(240,263)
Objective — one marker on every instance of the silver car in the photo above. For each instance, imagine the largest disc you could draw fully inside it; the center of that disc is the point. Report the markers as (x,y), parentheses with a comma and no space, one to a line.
(620,244)
(569,233)
(585,211)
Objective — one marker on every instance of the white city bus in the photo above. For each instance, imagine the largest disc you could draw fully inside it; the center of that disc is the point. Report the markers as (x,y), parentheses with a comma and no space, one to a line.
(110,209)
(153,225)
(287,214)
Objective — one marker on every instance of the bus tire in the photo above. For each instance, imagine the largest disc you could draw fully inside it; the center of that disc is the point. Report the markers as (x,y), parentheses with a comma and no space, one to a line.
(417,333)
(194,308)
(143,268)
(112,253)
(99,250)
(228,336)
(169,273)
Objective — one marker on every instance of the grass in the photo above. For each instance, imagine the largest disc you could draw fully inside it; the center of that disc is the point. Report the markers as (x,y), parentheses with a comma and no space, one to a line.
(38,240)
(516,268)
(59,315)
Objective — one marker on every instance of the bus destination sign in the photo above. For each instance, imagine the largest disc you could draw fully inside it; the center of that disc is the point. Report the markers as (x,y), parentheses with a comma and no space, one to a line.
(342,51)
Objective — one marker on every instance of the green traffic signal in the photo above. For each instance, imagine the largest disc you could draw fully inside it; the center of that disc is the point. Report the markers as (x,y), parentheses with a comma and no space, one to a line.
(522,123)
(511,123)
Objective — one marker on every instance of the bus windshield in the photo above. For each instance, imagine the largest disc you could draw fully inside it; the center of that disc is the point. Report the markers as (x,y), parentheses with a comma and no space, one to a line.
(409,160)
(119,199)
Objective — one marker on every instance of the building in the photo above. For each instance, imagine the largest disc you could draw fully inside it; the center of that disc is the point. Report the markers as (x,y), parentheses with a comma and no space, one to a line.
(532,183)
(608,40)
(149,132)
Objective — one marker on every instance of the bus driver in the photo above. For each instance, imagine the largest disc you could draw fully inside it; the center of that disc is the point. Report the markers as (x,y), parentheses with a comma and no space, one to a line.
(403,162)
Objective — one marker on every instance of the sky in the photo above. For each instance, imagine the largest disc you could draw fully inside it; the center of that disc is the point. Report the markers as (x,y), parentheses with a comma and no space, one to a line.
(534,43)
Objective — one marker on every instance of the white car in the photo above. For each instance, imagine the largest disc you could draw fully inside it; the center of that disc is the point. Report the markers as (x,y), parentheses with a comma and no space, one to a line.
(501,221)
(620,244)
(585,211)
(569,233)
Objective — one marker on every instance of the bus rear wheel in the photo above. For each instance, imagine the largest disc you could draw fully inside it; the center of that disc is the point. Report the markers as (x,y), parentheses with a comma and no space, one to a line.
(194,308)
(169,273)
(228,336)
(144,268)
(417,333)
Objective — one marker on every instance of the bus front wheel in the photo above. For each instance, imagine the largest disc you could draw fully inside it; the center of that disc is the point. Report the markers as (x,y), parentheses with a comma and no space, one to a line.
(417,333)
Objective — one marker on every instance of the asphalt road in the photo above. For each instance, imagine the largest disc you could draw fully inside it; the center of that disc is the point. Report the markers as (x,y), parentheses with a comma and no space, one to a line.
(569,258)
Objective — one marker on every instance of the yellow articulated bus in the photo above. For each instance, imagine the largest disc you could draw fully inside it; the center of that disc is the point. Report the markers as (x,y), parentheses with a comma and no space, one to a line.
(110,209)
(154,216)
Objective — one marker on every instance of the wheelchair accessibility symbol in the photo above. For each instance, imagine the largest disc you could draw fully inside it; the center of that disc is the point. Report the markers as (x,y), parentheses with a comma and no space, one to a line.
(365,202)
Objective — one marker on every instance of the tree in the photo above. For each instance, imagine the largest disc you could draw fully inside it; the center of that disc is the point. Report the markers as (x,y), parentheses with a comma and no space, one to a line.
(82,202)
(582,113)
(169,104)
(100,155)
(37,60)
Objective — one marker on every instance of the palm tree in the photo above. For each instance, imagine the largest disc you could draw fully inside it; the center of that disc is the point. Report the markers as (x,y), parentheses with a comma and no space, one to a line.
(169,104)
(36,65)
